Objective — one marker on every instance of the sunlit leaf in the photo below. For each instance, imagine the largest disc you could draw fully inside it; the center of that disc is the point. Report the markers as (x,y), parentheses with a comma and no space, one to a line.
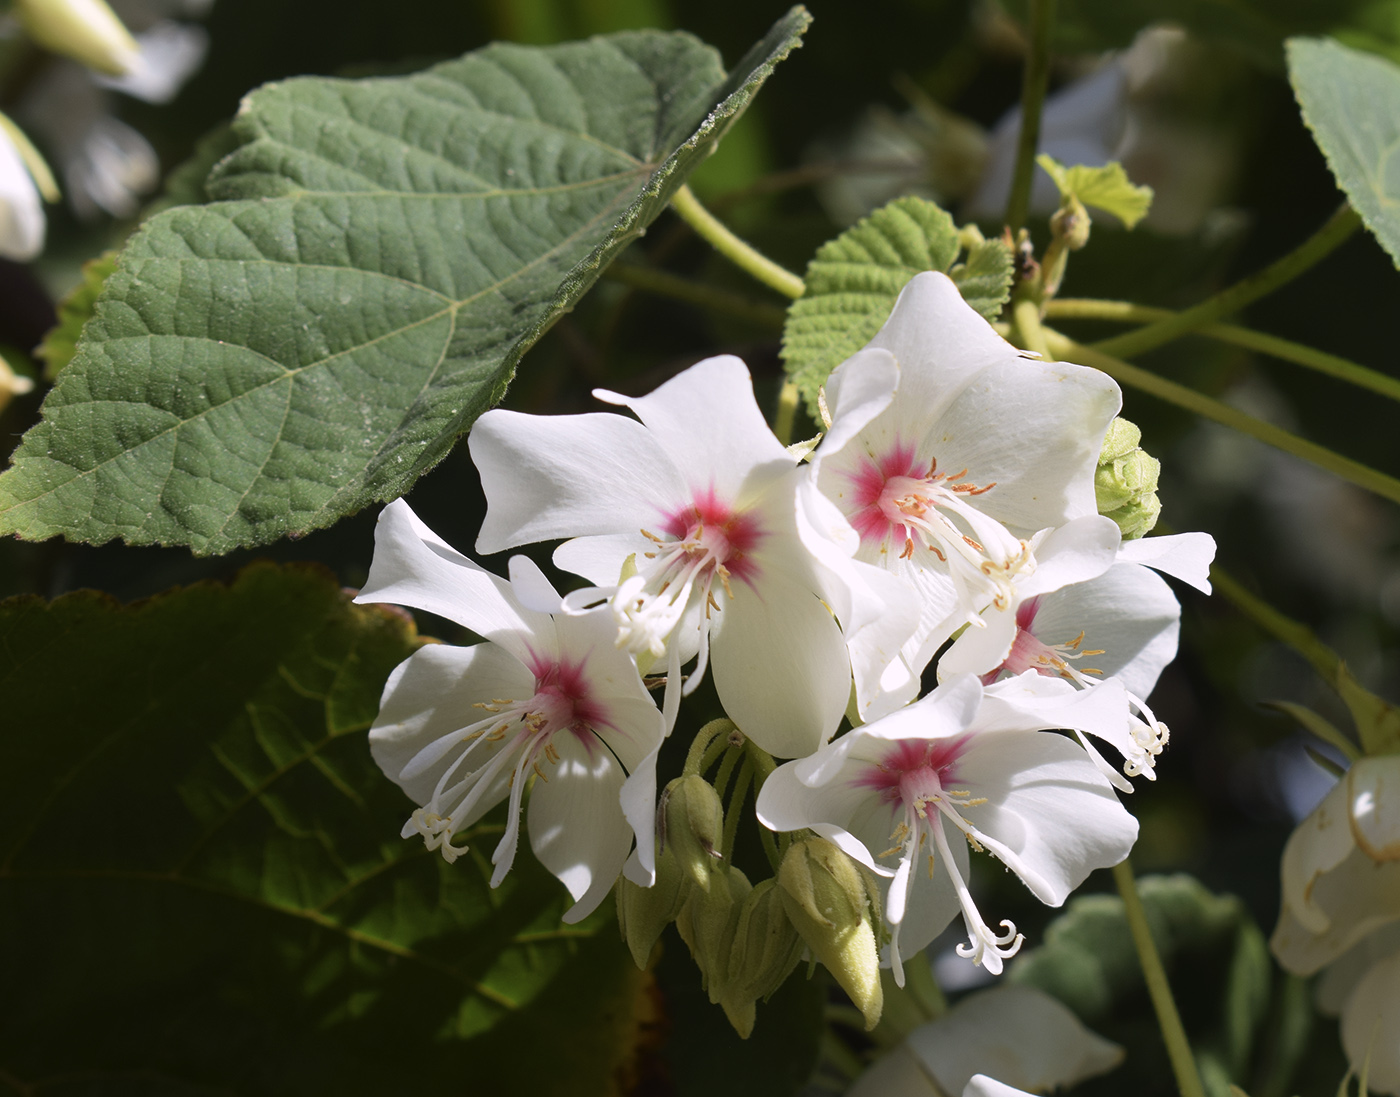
(380,254)
(1107,188)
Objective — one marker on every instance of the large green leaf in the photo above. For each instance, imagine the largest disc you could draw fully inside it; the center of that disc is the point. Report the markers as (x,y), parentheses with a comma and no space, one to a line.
(852,283)
(1351,101)
(380,254)
(202,884)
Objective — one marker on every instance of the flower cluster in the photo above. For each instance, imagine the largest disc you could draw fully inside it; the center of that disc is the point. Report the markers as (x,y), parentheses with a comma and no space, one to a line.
(949,506)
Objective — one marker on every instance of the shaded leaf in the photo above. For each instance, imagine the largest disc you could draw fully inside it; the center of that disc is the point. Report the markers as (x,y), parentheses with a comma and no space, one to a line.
(1107,188)
(380,255)
(61,343)
(852,283)
(1351,102)
(201,870)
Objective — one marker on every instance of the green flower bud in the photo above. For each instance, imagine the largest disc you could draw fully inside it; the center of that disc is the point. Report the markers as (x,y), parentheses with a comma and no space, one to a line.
(762,954)
(707,922)
(642,913)
(693,827)
(834,903)
(1125,483)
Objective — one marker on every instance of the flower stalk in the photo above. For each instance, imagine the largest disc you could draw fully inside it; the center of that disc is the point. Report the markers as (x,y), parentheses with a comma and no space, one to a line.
(1188,1078)
(710,229)
(1033,89)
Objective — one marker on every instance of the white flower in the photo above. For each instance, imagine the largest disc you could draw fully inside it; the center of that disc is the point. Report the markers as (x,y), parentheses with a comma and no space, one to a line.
(1341,868)
(956,764)
(1089,597)
(462,728)
(1364,987)
(978,449)
(22,222)
(1011,1032)
(688,521)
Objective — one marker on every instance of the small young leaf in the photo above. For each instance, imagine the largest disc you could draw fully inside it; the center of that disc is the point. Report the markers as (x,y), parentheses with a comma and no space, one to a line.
(61,343)
(1107,188)
(380,254)
(852,283)
(1351,102)
(201,869)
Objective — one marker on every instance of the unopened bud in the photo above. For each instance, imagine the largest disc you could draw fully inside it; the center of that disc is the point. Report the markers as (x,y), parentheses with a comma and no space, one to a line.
(762,954)
(693,821)
(642,913)
(1125,483)
(834,904)
(707,922)
(1070,223)
(85,30)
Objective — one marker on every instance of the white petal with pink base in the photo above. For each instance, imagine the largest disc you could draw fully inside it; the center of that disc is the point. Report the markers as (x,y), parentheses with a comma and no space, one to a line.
(549,697)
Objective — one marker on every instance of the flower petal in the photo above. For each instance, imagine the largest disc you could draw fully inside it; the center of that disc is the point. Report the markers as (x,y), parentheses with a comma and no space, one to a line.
(707,422)
(412,566)
(548,476)
(859,389)
(1050,816)
(1371,1027)
(431,695)
(780,665)
(1184,556)
(577,828)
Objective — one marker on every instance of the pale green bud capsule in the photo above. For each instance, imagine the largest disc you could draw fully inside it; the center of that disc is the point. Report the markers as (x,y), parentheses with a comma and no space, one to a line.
(765,949)
(85,30)
(707,922)
(1125,482)
(693,818)
(834,904)
(642,913)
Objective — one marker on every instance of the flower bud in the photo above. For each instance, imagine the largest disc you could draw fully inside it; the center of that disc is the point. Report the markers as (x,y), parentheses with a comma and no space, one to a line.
(762,954)
(85,30)
(1125,482)
(834,904)
(642,913)
(694,827)
(707,922)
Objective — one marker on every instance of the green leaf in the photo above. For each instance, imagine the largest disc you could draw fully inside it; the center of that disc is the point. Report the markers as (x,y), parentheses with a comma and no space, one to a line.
(201,874)
(380,255)
(1107,188)
(1351,102)
(852,283)
(61,343)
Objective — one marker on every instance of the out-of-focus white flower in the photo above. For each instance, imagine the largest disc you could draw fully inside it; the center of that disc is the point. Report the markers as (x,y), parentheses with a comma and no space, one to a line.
(23,175)
(169,54)
(462,728)
(1015,1033)
(1363,986)
(85,30)
(1341,868)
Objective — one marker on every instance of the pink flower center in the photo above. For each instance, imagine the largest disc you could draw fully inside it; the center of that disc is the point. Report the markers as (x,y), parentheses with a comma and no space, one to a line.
(1028,652)
(914,771)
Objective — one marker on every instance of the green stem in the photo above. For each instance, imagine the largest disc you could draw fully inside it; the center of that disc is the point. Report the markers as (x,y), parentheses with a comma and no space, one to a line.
(1354,472)
(1314,249)
(665,284)
(1026,327)
(1034,85)
(787,412)
(1284,349)
(735,810)
(701,757)
(1188,1078)
(1296,635)
(726,769)
(710,229)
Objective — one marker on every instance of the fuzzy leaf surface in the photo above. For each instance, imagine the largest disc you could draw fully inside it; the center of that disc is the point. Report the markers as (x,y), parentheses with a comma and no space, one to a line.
(201,870)
(852,283)
(378,255)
